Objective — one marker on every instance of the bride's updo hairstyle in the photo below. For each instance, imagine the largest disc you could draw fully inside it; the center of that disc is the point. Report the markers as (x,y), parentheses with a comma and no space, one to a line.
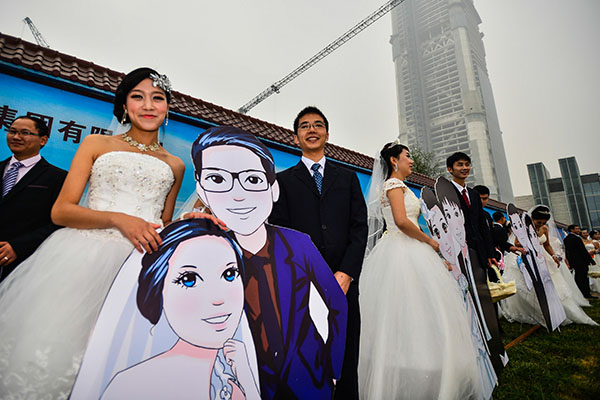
(541,213)
(392,149)
(130,81)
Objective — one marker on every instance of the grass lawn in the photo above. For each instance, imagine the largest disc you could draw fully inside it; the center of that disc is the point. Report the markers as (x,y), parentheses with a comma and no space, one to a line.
(558,365)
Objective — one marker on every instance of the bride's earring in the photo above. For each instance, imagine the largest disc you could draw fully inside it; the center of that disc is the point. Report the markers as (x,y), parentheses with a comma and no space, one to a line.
(167,119)
(395,167)
(124,117)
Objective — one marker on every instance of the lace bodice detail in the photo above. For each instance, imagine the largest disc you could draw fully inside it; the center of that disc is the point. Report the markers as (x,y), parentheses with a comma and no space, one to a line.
(411,203)
(132,183)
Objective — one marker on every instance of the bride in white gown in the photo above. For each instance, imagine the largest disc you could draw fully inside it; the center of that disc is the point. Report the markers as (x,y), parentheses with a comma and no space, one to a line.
(591,245)
(524,307)
(50,302)
(415,336)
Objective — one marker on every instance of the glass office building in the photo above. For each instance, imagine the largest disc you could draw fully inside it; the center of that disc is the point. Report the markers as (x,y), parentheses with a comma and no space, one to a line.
(538,178)
(573,187)
(591,187)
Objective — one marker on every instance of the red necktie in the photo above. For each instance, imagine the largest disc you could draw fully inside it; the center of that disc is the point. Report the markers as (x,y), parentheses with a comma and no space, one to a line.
(465,197)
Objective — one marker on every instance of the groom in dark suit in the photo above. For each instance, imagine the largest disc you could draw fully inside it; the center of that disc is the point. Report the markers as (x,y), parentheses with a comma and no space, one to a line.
(30,186)
(579,259)
(325,201)
(480,246)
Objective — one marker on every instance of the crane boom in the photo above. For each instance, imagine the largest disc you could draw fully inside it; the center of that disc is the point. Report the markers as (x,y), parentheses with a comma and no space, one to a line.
(355,30)
(36,34)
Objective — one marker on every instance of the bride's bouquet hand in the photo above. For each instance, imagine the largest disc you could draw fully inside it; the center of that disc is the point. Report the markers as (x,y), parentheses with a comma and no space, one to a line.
(142,234)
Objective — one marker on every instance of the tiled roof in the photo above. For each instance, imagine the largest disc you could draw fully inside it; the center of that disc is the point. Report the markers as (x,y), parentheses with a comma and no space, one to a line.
(28,55)
(31,56)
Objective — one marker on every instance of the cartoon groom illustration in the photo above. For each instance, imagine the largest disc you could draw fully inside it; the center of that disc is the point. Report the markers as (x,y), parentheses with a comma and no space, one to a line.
(295,307)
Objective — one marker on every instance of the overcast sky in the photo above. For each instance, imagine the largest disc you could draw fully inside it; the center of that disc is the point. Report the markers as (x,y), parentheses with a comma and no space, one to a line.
(542,57)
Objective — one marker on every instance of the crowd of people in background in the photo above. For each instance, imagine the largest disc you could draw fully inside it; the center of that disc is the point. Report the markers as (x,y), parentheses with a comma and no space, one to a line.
(409,333)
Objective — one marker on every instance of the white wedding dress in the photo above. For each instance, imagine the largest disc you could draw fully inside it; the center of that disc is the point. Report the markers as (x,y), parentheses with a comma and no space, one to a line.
(415,336)
(49,304)
(524,306)
(594,282)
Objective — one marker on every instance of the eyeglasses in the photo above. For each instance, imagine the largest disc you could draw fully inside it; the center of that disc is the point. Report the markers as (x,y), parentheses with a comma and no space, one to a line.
(306,125)
(23,133)
(218,180)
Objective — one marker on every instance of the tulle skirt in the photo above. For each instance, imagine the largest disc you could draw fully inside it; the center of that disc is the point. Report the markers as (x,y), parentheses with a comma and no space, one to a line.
(49,305)
(415,337)
(524,306)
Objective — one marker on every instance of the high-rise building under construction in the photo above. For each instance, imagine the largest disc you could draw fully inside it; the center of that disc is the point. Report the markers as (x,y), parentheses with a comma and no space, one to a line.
(445,99)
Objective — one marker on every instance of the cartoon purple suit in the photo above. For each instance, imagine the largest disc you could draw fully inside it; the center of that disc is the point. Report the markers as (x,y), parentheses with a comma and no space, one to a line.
(295,308)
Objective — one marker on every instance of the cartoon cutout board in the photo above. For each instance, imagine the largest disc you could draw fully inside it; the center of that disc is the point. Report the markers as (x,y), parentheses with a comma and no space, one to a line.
(172,317)
(529,266)
(449,248)
(296,310)
(469,264)
(288,309)
(557,311)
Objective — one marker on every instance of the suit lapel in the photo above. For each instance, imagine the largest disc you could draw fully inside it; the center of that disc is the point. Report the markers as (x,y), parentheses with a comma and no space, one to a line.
(2,166)
(331,173)
(302,174)
(29,177)
(282,254)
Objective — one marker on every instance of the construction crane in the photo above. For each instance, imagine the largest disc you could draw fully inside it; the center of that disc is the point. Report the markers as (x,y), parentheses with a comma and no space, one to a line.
(36,34)
(355,30)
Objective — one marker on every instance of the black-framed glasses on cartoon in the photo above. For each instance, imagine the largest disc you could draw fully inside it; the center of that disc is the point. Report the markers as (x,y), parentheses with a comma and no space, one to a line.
(23,133)
(218,180)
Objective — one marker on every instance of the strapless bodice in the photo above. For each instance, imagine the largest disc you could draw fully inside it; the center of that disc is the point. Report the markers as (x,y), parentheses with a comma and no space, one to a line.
(132,183)
(589,247)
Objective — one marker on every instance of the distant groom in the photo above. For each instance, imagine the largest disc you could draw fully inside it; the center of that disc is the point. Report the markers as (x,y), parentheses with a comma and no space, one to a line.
(325,201)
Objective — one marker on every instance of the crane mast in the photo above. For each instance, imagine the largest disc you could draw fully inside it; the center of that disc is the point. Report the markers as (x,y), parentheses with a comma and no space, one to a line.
(36,34)
(355,30)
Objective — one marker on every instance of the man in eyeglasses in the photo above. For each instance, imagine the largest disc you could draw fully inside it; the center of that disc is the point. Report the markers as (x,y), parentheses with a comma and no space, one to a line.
(30,186)
(325,201)
(295,308)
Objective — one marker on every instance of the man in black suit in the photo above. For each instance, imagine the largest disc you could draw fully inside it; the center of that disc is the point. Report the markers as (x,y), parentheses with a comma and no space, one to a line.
(500,235)
(30,186)
(480,246)
(579,259)
(325,201)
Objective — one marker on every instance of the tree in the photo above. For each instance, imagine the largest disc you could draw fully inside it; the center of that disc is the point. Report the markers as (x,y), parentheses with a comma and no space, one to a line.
(425,163)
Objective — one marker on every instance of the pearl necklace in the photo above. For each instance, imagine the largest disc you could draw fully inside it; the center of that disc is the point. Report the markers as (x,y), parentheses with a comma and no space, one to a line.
(140,146)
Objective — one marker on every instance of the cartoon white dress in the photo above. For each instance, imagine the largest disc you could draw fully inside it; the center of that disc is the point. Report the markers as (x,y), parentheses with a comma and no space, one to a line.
(50,303)
(415,336)
(524,306)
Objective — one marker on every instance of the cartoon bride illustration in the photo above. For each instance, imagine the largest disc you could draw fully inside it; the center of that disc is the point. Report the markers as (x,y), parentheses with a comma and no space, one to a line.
(180,330)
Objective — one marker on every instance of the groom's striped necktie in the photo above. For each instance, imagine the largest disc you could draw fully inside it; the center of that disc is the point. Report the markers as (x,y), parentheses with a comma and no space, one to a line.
(317,176)
(10,179)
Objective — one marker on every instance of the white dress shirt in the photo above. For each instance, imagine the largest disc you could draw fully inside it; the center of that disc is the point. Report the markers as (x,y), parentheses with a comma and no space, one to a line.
(27,165)
(309,163)
(461,188)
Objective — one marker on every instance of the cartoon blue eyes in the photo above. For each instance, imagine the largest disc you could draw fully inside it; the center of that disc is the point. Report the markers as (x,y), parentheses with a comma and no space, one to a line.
(188,279)
(230,274)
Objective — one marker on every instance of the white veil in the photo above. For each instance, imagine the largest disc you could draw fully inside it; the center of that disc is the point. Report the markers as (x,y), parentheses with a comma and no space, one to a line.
(375,215)
(122,337)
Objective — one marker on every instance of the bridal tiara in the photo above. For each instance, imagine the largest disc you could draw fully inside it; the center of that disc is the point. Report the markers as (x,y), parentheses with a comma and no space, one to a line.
(161,81)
